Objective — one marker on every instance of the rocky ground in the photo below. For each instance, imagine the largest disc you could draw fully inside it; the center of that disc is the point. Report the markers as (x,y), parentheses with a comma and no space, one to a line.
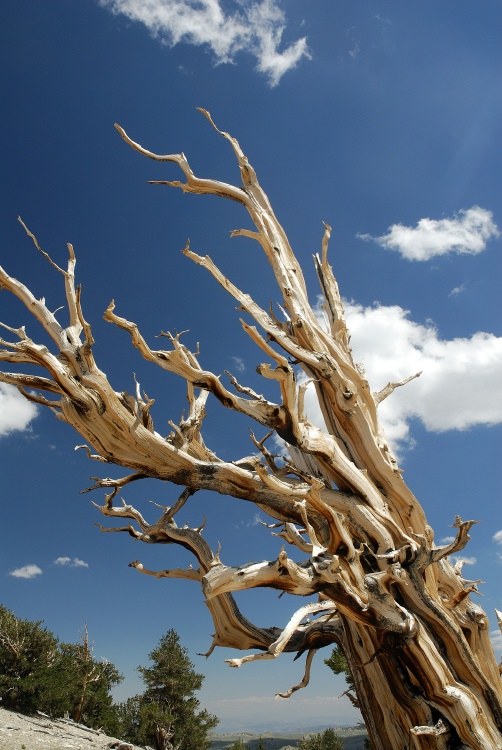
(40,732)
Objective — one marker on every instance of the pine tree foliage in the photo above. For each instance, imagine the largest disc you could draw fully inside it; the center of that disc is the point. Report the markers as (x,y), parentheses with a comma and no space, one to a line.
(327,740)
(168,711)
(338,665)
(28,654)
(37,672)
(237,745)
(86,685)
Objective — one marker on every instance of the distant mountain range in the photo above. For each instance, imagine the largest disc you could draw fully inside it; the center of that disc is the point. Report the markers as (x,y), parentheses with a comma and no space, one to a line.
(353,738)
(241,726)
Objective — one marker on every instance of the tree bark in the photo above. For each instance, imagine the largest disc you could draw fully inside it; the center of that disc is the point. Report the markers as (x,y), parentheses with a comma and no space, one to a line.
(418,647)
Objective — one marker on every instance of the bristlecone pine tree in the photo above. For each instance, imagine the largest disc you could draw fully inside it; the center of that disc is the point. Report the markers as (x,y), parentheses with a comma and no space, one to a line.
(358,540)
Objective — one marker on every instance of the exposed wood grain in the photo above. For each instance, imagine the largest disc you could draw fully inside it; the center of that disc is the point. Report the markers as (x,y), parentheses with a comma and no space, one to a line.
(417,645)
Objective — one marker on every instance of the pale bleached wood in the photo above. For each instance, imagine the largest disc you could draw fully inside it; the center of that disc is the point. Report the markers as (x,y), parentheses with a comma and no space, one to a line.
(360,546)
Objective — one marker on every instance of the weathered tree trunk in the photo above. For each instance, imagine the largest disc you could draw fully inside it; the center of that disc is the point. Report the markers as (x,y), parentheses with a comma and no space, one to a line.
(88,672)
(418,647)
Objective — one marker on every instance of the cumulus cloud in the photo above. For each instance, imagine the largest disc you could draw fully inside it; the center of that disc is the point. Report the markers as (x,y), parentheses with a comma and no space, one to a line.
(71,562)
(457,375)
(253,27)
(27,571)
(16,412)
(467,232)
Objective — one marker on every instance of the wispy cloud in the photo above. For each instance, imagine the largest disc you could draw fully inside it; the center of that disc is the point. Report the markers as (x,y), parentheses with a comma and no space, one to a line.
(467,232)
(27,571)
(238,363)
(225,28)
(16,412)
(71,562)
(456,374)
(255,521)
(497,538)
(355,45)
(457,290)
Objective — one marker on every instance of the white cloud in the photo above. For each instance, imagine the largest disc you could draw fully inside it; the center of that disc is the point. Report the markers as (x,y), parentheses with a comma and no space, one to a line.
(354,52)
(467,232)
(28,571)
(457,290)
(496,639)
(253,27)
(71,562)
(16,412)
(464,560)
(354,42)
(461,381)
(497,538)
(239,364)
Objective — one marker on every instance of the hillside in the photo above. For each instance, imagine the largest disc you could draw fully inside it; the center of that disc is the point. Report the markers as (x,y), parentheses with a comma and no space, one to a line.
(40,732)
(353,739)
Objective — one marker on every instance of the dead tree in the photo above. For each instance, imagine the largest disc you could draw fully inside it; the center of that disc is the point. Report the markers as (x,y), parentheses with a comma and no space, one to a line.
(356,539)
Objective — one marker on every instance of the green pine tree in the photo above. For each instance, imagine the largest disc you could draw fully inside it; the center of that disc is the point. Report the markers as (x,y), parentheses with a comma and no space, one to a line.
(39,673)
(327,740)
(338,665)
(82,686)
(168,713)
(28,652)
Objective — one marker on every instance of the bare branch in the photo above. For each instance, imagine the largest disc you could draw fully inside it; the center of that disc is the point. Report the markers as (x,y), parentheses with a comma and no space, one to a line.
(22,381)
(428,553)
(102,482)
(193,184)
(190,574)
(306,676)
(35,242)
(277,647)
(391,387)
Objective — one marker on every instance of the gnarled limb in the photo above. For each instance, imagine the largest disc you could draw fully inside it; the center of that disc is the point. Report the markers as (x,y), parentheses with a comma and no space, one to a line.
(305,679)
(277,647)
(190,574)
(416,644)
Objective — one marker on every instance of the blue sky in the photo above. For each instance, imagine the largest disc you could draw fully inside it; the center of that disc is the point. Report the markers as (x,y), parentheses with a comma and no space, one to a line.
(380,118)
